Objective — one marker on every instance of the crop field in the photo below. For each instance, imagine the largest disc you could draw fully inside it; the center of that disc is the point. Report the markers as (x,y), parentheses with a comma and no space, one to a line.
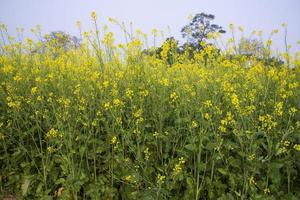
(104,120)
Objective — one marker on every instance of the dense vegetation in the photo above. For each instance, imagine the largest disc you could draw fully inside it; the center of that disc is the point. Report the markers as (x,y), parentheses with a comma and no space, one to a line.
(105,121)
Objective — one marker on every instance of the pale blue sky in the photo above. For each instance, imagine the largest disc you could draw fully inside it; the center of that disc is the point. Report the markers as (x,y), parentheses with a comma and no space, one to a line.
(53,15)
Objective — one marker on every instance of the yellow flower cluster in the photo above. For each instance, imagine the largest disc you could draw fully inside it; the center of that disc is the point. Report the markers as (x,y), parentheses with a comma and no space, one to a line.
(107,106)
(53,133)
(227,121)
(194,124)
(147,154)
(207,116)
(94,15)
(267,122)
(13,103)
(297,147)
(278,109)
(235,101)
(165,82)
(178,167)
(113,140)
(117,102)
(129,93)
(160,179)
(138,113)
(173,97)
(252,181)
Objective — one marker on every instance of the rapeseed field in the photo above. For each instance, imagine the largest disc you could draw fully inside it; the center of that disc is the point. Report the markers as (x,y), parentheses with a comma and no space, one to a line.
(112,121)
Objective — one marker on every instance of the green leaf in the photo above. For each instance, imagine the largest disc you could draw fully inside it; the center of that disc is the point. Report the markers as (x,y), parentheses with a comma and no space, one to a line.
(25,185)
(191,147)
(60,181)
(201,166)
(190,182)
(276,165)
(223,171)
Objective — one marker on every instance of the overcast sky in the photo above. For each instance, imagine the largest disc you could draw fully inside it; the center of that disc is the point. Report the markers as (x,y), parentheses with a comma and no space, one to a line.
(54,15)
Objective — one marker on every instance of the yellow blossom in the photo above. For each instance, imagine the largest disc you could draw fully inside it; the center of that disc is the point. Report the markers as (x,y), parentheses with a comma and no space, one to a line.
(252,181)
(113,140)
(266,190)
(207,116)
(222,129)
(165,82)
(33,90)
(128,178)
(292,110)
(160,179)
(147,153)
(173,96)
(129,93)
(117,102)
(267,122)
(107,106)
(235,101)
(17,78)
(94,15)
(7,69)
(138,113)
(208,103)
(179,166)
(297,147)
(51,149)
(278,109)
(53,133)
(194,124)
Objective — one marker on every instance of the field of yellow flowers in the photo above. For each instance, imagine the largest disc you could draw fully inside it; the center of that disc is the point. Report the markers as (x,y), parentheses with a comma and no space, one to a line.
(107,121)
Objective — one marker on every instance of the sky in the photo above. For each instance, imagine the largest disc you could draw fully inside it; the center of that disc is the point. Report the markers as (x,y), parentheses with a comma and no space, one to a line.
(61,15)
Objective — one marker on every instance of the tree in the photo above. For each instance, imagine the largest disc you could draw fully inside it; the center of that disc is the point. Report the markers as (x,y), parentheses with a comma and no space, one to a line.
(59,39)
(199,29)
(56,41)
(257,49)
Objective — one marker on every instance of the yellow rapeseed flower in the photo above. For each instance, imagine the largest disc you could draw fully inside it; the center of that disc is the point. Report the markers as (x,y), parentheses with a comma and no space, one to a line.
(34,90)
(53,133)
(7,69)
(94,15)
(138,113)
(297,147)
(117,102)
(208,103)
(164,82)
(179,166)
(173,96)
(194,124)
(113,140)
(107,106)
(278,109)
(160,179)
(235,101)
(129,93)
(207,116)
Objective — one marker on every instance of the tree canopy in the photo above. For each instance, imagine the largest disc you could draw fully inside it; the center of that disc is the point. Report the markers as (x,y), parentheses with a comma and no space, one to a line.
(199,28)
